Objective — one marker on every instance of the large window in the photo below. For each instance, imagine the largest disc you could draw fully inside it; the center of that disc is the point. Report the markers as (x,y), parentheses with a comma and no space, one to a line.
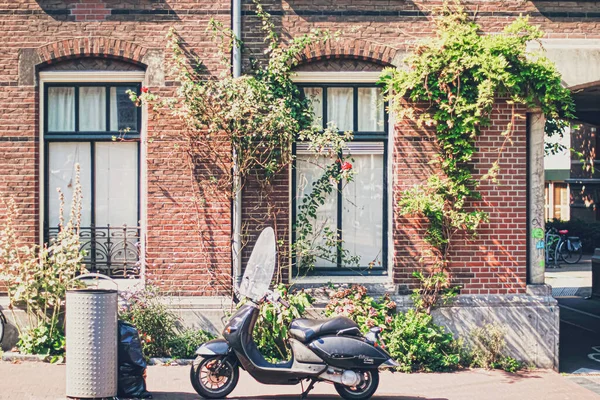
(356,211)
(96,126)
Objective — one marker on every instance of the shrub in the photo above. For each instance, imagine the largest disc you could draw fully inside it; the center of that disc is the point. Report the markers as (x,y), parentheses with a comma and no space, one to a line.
(487,350)
(43,340)
(156,324)
(412,338)
(271,329)
(38,277)
(185,344)
(354,303)
(418,344)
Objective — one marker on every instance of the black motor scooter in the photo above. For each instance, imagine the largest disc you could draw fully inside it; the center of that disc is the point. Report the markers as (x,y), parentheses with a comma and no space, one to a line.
(329,350)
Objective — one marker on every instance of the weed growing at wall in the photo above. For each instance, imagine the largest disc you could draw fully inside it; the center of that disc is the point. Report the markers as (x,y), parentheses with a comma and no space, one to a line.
(450,85)
(38,278)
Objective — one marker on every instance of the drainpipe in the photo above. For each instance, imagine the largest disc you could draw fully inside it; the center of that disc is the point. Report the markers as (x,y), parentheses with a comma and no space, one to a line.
(236,245)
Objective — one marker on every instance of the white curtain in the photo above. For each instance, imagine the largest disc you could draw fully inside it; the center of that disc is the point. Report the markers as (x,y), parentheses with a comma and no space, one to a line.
(340,108)
(116,184)
(62,160)
(309,168)
(370,110)
(315,95)
(92,109)
(362,204)
(61,109)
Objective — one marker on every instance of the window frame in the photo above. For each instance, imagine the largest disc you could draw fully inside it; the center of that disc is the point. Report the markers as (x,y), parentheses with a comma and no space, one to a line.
(359,136)
(91,137)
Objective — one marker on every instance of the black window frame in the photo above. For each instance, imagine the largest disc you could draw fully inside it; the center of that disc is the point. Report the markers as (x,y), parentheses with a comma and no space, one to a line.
(359,136)
(91,137)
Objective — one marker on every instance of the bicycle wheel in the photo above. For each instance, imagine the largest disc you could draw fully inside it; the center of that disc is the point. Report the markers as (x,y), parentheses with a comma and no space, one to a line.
(569,256)
(2,325)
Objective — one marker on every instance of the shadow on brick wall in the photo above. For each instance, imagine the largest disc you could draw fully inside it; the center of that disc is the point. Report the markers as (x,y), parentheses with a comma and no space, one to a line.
(122,10)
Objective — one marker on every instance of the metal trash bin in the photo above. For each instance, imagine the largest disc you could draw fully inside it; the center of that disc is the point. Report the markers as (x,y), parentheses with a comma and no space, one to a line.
(92,339)
(596,273)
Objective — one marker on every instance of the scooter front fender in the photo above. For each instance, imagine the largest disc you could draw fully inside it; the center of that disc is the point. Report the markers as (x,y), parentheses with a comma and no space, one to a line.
(216,347)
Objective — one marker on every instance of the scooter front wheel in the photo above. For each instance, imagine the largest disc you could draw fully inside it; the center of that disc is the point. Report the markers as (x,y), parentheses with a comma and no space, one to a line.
(364,390)
(214,377)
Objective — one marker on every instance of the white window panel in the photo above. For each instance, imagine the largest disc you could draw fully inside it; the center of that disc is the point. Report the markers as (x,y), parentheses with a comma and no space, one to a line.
(62,159)
(309,169)
(92,109)
(370,110)
(61,109)
(315,95)
(362,204)
(116,184)
(340,108)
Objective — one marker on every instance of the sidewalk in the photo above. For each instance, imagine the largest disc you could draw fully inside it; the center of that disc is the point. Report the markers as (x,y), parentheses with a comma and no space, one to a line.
(571,280)
(45,381)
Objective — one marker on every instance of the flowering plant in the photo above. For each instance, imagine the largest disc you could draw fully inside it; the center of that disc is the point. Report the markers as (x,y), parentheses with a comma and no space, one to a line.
(354,303)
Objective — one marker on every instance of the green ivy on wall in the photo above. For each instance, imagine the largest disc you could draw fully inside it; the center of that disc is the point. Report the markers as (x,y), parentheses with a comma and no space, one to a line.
(450,85)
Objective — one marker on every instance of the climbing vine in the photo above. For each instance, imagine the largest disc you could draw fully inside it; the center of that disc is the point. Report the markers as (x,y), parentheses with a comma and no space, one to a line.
(251,122)
(451,84)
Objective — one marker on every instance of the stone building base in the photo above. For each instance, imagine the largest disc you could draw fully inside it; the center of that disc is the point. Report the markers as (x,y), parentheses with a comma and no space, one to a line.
(531,321)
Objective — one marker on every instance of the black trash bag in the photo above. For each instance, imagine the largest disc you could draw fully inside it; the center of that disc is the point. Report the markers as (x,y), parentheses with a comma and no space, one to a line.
(132,365)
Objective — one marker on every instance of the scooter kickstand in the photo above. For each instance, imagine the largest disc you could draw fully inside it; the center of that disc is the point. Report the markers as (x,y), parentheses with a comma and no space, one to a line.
(308,389)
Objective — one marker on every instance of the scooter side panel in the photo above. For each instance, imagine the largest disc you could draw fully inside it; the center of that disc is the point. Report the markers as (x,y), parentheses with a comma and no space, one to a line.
(348,352)
(214,347)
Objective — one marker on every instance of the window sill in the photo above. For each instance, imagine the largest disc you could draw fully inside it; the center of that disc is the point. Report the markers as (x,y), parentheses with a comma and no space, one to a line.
(352,279)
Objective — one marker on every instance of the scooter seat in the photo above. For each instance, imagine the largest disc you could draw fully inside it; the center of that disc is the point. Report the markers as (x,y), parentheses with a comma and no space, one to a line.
(306,330)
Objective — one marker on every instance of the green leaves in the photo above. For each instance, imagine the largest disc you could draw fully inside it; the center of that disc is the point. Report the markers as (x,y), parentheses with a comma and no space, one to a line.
(270,331)
(451,84)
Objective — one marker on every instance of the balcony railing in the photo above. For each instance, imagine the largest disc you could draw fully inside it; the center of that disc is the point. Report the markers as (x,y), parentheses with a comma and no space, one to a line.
(110,250)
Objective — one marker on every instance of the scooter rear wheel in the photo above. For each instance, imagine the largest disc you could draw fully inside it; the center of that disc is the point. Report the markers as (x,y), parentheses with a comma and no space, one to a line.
(214,377)
(364,390)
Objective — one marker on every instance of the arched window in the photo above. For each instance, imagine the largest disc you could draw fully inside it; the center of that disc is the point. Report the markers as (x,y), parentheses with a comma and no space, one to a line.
(89,120)
(356,211)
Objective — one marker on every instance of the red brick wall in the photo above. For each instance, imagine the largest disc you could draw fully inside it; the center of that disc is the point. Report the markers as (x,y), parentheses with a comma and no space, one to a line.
(188,247)
(494,262)
(188,242)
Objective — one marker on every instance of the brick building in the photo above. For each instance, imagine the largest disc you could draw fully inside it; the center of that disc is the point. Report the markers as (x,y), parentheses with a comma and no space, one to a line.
(66,67)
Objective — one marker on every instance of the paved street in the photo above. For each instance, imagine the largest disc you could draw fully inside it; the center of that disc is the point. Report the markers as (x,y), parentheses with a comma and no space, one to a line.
(47,382)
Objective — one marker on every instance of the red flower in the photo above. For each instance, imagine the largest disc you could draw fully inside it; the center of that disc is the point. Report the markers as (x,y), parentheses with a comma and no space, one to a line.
(346,166)
(144,89)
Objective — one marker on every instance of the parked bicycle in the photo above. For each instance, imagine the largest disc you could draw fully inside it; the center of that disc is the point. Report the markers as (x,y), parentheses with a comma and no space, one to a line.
(2,326)
(552,241)
(569,248)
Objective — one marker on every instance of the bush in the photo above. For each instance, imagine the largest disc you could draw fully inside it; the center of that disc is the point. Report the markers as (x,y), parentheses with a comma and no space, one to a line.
(588,232)
(271,329)
(487,351)
(418,344)
(156,324)
(159,327)
(354,303)
(185,344)
(38,277)
(43,340)
(412,338)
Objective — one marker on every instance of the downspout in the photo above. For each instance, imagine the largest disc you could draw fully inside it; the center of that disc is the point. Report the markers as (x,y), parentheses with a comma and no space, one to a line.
(236,245)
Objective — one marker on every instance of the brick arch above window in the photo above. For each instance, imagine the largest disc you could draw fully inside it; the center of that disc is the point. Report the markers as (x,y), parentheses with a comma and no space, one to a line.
(350,49)
(91,47)
(92,64)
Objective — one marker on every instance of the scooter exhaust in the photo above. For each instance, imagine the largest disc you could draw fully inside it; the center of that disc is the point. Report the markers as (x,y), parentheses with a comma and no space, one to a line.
(345,377)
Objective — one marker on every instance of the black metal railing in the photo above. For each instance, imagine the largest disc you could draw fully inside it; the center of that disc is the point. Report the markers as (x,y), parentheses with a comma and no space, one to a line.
(109,250)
